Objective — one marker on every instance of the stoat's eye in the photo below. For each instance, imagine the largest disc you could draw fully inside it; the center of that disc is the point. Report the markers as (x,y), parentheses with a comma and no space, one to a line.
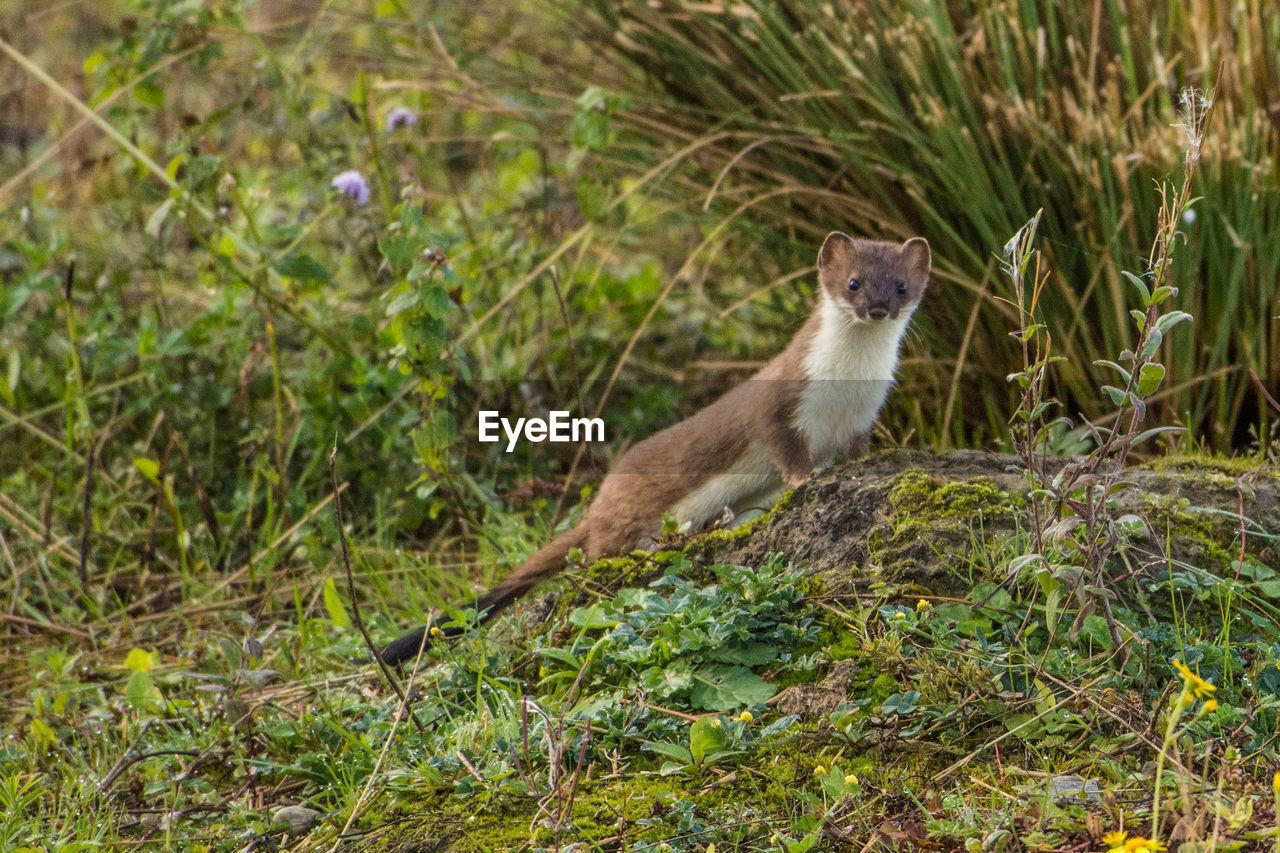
(902,288)
(854,284)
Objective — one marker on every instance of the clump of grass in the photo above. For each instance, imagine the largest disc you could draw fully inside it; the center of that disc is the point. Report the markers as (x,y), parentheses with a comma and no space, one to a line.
(959,123)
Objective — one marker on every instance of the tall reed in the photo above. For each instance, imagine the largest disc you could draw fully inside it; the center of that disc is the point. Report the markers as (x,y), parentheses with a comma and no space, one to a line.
(959,120)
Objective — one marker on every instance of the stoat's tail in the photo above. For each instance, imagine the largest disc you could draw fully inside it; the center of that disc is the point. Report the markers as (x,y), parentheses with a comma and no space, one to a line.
(546,562)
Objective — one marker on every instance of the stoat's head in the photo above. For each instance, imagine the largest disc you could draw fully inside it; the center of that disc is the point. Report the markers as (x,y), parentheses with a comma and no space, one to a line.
(875,281)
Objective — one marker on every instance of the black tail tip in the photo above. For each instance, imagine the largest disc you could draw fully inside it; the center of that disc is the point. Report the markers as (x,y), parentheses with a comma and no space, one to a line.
(405,648)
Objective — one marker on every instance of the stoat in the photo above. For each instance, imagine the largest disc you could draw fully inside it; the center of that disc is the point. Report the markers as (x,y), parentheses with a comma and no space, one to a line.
(814,401)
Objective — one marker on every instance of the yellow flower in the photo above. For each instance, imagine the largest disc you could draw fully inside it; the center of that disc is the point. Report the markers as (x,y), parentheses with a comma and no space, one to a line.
(436,632)
(1211,706)
(819,771)
(851,779)
(1192,681)
(923,606)
(745,717)
(1115,839)
(1275,784)
(715,724)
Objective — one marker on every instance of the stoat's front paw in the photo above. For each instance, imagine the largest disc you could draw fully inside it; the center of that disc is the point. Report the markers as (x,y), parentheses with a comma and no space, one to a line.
(796,480)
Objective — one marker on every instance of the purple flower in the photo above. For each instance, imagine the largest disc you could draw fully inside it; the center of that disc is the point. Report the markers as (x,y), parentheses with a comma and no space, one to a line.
(400,117)
(353,185)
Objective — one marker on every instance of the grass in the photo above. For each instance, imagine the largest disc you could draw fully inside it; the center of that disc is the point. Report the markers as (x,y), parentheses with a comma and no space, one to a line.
(192,320)
(959,121)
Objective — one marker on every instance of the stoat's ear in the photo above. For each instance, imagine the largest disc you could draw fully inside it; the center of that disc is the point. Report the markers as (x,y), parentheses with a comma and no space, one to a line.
(837,251)
(916,252)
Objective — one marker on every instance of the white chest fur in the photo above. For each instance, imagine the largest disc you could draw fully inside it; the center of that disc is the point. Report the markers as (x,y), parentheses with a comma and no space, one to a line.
(849,368)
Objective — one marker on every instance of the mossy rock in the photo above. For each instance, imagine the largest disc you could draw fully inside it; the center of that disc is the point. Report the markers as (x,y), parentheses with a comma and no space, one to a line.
(928,521)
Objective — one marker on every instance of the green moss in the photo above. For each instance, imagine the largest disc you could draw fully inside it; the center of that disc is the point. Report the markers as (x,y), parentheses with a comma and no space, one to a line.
(610,569)
(916,493)
(1227,466)
(931,526)
(884,686)
(599,810)
(719,538)
(840,644)
(1209,538)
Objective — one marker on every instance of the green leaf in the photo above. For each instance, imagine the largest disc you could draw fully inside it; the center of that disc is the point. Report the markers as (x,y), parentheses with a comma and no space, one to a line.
(671,750)
(93,62)
(779,725)
(156,220)
(1139,285)
(1149,347)
(1026,334)
(668,680)
(804,845)
(1052,603)
(725,687)
(301,267)
(141,692)
(171,168)
(1150,377)
(1118,397)
(43,734)
(432,338)
(333,604)
(706,735)
(753,654)
(231,651)
(149,468)
(1165,322)
(226,245)
(1020,562)
(905,703)
(593,197)
(149,94)
(1019,723)
(434,300)
(566,657)
(1095,627)
(598,615)
(410,216)
(399,249)
(1118,369)
(140,660)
